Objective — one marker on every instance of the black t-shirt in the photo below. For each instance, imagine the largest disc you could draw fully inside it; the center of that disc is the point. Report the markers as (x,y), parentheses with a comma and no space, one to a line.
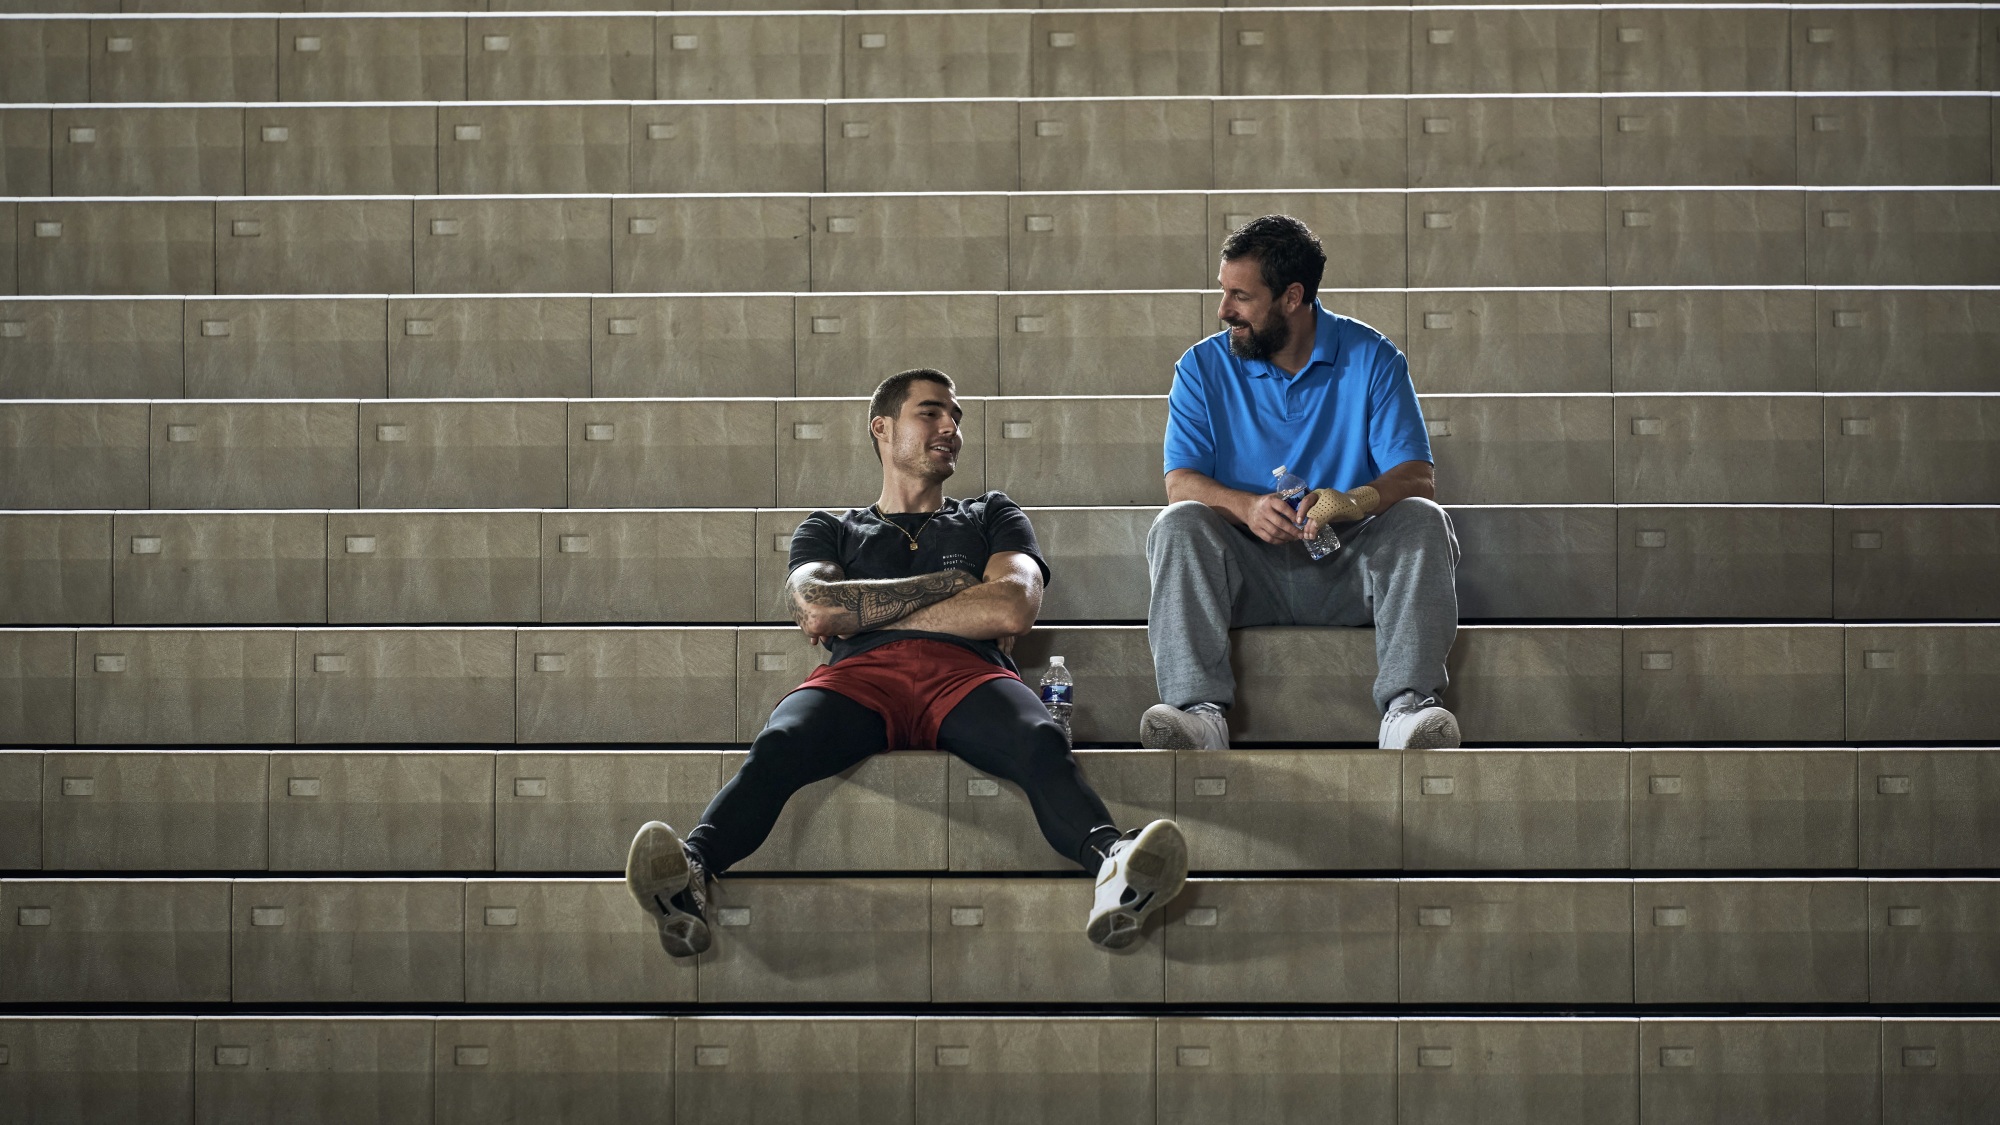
(963,534)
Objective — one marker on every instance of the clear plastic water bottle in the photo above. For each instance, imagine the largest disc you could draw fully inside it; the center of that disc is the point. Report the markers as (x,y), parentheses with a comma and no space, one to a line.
(1059,694)
(1289,485)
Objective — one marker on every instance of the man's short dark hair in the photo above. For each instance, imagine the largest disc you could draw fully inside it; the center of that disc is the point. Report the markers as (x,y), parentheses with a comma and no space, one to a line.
(889,398)
(1285,250)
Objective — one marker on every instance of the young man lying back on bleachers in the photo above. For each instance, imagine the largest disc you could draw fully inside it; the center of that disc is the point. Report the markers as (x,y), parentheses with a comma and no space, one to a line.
(1291,384)
(918,600)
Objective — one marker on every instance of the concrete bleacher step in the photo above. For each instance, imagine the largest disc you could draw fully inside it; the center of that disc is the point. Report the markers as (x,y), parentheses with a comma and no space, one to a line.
(1657,340)
(1533,684)
(923,941)
(877,1070)
(1584,225)
(901,242)
(573,811)
(1372,141)
(722,565)
(1792,448)
(999,54)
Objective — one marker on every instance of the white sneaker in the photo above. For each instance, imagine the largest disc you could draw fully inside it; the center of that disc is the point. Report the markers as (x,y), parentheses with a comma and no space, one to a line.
(1200,727)
(1141,873)
(1417,722)
(667,882)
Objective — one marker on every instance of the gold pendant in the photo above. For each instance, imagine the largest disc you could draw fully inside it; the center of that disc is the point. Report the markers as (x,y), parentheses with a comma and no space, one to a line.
(913,546)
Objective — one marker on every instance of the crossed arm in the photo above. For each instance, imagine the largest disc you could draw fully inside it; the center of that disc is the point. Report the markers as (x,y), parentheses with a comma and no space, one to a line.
(1002,603)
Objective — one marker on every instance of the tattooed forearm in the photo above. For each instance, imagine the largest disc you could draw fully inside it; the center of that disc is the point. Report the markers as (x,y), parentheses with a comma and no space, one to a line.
(843,608)
(879,603)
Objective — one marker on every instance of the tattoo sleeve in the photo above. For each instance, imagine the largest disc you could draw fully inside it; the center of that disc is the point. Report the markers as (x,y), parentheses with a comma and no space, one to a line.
(864,604)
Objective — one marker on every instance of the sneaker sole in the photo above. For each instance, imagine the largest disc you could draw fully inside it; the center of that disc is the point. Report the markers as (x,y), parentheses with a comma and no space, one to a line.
(1162,732)
(1440,733)
(1156,868)
(656,869)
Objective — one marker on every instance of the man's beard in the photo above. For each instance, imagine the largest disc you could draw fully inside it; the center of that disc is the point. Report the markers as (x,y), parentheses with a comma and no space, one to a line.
(920,467)
(1261,341)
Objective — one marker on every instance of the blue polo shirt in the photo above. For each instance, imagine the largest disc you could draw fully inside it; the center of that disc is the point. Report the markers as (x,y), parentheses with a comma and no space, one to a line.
(1349,416)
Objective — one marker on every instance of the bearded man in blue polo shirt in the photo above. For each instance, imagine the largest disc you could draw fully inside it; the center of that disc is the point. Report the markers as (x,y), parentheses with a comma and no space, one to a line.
(1290,384)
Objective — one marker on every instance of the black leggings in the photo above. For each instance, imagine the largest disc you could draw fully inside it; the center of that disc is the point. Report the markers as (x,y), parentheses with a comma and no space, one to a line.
(999,728)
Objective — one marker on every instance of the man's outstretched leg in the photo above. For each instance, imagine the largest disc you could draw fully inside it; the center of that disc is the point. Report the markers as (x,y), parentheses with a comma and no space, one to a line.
(1001,728)
(812,734)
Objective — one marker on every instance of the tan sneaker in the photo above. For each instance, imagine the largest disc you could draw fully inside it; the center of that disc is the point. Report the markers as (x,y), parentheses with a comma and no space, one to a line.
(1141,873)
(667,882)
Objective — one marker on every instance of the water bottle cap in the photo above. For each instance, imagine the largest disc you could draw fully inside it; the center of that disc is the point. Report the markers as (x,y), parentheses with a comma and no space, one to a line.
(1054,661)
(1279,471)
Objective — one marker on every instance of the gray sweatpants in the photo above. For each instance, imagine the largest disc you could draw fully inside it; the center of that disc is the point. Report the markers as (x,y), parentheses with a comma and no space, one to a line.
(1210,576)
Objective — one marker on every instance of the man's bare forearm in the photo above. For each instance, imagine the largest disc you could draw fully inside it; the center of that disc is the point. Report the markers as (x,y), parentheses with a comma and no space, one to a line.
(824,604)
(993,609)
(1411,478)
(1187,484)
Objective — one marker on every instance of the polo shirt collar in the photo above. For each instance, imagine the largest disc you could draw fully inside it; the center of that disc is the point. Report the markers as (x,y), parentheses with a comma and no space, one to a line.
(1326,347)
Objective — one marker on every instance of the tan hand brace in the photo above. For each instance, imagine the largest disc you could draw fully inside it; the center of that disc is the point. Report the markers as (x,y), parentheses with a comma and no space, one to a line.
(1343,507)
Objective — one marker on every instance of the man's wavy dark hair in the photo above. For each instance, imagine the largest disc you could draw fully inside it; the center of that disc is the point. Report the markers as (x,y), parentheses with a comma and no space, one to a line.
(894,392)
(1285,250)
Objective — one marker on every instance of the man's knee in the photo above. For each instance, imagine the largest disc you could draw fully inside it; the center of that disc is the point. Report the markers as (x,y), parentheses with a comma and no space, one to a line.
(1045,748)
(776,749)
(1416,508)
(1417,522)
(1183,521)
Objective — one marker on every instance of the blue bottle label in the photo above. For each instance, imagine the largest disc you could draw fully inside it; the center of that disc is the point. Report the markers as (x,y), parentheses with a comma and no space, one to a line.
(1058,693)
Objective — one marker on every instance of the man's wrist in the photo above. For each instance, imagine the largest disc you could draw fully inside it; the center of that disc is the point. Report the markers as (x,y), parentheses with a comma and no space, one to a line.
(1244,505)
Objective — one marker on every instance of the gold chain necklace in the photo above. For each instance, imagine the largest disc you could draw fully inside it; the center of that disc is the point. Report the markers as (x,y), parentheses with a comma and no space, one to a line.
(877,509)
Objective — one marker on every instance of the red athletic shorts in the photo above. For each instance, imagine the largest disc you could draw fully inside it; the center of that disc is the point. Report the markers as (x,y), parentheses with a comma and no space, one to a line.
(912,684)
